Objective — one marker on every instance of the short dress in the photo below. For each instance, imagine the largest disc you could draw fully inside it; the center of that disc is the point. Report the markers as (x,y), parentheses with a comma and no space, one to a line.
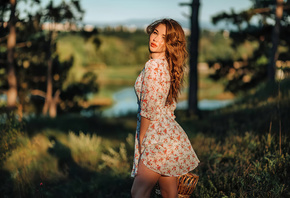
(166,148)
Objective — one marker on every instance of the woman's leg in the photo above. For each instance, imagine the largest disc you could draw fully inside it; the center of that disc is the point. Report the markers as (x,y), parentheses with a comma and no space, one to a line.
(144,182)
(168,187)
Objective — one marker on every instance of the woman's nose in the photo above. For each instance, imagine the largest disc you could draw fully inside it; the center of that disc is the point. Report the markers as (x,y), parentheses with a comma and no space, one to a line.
(155,38)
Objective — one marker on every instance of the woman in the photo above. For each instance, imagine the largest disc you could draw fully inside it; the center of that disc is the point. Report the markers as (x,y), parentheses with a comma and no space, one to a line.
(162,148)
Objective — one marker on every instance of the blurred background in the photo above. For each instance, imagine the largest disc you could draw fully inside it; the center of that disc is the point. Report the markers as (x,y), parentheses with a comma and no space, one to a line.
(68,107)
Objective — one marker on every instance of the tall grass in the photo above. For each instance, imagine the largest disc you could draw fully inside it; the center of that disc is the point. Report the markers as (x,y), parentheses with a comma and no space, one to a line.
(242,166)
(10,129)
(86,149)
(30,164)
(239,150)
(120,161)
(42,164)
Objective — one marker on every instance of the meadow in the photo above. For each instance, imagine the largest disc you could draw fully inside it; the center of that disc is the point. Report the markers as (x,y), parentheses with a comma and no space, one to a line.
(243,148)
(118,57)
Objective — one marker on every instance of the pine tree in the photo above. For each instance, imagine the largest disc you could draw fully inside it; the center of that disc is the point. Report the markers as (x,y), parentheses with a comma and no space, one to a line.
(272,27)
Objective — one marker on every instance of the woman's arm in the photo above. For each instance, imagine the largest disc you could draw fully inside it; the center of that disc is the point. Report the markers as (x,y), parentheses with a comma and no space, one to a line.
(152,96)
(143,128)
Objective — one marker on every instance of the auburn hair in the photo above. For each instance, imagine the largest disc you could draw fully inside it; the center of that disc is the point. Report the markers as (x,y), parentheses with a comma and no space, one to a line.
(175,53)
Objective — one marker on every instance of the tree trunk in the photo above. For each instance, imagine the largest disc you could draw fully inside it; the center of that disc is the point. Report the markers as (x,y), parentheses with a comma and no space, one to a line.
(53,105)
(275,41)
(193,59)
(48,97)
(50,105)
(11,43)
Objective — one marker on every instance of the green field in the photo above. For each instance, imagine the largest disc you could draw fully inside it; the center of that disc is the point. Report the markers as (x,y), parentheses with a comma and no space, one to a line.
(243,148)
(239,147)
(112,78)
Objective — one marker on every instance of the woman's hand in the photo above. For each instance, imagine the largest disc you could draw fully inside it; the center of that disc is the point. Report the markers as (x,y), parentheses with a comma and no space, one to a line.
(143,128)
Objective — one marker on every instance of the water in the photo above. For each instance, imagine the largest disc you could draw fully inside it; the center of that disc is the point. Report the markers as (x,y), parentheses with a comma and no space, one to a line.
(206,104)
(3,97)
(125,102)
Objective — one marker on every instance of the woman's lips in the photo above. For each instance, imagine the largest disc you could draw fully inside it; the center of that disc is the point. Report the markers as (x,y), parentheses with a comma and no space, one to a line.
(153,45)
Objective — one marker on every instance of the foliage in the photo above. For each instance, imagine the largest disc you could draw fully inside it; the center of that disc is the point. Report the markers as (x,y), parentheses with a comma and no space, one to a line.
(255,26)
(242,166)
(76,93)
(83,65)
(86,149)
(132,47)
(36,48)
(66,11)
(10,129)
(30,163)
(238,146)
(51,163)
(112,49)
(260,111)
(214,46)
(232,165)
(118,161)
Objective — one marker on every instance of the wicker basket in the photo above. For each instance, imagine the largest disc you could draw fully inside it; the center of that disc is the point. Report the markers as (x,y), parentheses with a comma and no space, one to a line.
(186,185)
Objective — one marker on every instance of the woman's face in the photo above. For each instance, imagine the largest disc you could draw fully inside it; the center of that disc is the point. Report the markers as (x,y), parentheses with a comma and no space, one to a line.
(157,41)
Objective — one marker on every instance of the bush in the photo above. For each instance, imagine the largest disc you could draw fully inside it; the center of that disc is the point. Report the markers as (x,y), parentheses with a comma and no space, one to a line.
(10,130)
(86,149)
(119,161)
(242,166)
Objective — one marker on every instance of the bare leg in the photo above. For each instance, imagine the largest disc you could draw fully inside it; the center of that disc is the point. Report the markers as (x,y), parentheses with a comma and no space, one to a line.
(144,182)
(168,187)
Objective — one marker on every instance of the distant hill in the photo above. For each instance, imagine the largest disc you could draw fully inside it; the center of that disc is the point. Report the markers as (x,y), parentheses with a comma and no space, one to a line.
(142,23)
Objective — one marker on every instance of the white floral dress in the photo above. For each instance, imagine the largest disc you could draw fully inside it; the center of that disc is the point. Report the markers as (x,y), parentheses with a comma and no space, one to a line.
(166,148)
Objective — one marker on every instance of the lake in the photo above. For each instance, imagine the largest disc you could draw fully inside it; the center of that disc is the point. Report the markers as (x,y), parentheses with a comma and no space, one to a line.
(125,102)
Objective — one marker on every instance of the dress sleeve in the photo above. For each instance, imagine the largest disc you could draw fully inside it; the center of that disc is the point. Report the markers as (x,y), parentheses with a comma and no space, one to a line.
(153,91)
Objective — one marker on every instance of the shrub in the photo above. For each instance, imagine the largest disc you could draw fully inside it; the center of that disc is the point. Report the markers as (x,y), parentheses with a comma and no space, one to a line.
(30,164)
(10,130)
(86,149)
(242,166)
(119,161)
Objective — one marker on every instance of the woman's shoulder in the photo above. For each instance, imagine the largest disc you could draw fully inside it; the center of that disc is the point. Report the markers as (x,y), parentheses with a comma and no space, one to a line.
(160,63)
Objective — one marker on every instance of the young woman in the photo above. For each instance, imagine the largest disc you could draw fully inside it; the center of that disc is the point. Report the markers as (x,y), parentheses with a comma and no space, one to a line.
(162,148)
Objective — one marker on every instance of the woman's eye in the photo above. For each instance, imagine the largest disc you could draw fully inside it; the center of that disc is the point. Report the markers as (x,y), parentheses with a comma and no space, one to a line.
(154,32)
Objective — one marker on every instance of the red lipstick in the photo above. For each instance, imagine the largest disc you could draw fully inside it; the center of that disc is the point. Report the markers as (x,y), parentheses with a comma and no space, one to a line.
(153,45)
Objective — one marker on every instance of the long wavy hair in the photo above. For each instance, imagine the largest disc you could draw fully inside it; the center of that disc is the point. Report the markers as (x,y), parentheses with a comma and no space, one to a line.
(175,53)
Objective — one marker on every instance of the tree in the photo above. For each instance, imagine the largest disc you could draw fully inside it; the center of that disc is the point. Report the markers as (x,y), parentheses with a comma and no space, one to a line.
(275,40)
(11,42)
(9,32)
(65,12)
(247,72)
(193,58)
(39,73)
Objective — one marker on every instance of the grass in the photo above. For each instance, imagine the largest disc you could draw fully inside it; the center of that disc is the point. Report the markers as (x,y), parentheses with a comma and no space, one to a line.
(74,156)
(117,76)
(58,163)
(113,79)
(242,166)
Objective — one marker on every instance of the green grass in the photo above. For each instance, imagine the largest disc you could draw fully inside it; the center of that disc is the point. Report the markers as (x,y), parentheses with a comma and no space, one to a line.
(74,156)
(115,77)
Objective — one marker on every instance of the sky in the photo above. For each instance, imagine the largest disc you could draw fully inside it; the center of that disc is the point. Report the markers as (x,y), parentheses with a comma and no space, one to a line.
(108,11)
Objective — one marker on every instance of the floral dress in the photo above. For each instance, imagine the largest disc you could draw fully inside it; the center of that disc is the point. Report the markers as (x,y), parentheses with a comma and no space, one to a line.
(166,148)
